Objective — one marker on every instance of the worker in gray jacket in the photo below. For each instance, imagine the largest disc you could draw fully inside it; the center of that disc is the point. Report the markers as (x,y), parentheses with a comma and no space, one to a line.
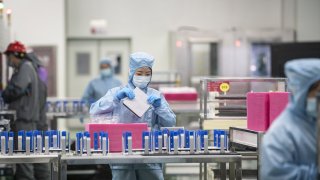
(41,171)
(42,124)
(22,95)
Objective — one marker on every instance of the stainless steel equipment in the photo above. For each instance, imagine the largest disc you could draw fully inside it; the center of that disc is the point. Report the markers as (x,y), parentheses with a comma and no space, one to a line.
(247,143)
(233,159)
(6,116)
(54,160)
(223,100)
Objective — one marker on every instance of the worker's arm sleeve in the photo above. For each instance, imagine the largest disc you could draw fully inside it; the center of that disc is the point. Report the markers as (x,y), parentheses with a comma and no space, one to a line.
(23,79)
(18,86)
(118,83)
(167,118)
(277,162)
(106,104)
(43,123)
(12,93)
(88,93)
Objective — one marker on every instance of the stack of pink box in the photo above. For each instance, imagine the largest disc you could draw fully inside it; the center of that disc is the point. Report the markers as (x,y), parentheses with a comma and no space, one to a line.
(180,96)
(115,134)
(258,111)
(263,108)
(179,93)
(278,101)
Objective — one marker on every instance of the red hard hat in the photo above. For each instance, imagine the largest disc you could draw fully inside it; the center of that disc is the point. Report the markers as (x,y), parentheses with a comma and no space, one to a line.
(15,47)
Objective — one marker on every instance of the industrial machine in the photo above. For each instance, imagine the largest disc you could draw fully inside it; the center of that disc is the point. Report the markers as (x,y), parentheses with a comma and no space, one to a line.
(173,146)
(223,100)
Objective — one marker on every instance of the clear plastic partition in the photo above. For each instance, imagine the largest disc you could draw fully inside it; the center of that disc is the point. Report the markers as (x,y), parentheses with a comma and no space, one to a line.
(226,97)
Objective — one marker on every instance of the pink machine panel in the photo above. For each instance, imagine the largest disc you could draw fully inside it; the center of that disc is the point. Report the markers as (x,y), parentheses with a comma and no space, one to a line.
(278,102)
(264,107)
(115,134)
(258,111)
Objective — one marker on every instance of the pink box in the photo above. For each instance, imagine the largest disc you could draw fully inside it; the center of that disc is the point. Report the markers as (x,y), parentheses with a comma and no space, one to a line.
(278,102)
(115,134)
(258,111)
(181,96)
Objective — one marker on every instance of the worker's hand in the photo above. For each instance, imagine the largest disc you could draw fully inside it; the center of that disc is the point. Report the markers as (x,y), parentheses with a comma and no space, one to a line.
(125,92)
(155,101)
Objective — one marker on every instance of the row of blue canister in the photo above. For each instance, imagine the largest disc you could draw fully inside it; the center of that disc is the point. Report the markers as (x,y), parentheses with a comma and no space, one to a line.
(54,139)
(217,133)
(157,139)
(184,138)
(100,141)
(65,106)
(167,138)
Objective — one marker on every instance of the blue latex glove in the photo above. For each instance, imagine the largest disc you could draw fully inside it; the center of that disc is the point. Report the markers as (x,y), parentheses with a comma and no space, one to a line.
(125,92)
(155,101)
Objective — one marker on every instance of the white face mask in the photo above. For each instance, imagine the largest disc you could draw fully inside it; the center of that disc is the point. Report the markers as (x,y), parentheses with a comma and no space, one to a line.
(141,81)
(106,72)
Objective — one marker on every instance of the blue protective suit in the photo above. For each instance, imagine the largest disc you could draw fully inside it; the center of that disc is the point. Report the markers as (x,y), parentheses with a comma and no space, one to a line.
(289,146)
(99,86)
(161,116)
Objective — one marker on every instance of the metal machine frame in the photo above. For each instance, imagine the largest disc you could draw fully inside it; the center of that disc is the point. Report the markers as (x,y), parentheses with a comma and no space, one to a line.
(19,159)
(245,138)
(60,163)
(233,159)
(281,86)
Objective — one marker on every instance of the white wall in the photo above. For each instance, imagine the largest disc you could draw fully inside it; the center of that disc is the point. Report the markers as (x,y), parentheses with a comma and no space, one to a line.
(148,23)
(308,20)
(41,22)
(304,16)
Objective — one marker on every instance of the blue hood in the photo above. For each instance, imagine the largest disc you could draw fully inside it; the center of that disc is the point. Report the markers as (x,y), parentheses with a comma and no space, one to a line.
(105,61)
(301,74)
(108,62)
(138,60)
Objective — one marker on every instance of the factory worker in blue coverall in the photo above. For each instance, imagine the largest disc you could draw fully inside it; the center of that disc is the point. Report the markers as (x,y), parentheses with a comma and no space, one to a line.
(99,86)
(289,146)
(159,115)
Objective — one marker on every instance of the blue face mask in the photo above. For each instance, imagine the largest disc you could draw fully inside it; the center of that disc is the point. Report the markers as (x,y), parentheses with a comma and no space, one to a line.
(312,107)
(106,72)
(141,81)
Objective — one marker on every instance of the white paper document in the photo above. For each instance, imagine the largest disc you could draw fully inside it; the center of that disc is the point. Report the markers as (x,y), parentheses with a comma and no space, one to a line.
(139,105)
